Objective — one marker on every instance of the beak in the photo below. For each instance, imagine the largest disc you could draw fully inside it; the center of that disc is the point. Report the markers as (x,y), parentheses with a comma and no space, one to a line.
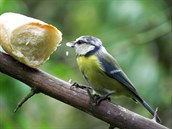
(70,44)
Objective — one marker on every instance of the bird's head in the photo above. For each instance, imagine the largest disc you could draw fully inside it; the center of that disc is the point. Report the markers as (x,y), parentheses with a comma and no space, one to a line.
(85,45)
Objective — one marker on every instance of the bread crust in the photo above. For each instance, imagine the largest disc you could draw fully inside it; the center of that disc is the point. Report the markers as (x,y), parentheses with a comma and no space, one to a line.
(30,41)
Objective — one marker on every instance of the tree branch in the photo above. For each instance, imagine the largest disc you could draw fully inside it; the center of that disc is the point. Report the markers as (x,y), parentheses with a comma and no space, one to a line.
(115,115)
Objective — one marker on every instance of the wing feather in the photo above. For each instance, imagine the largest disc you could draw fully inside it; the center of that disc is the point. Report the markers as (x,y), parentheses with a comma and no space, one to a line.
(113,70)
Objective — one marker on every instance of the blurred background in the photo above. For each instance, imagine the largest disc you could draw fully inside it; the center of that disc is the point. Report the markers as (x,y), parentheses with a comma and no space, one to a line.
(137,32)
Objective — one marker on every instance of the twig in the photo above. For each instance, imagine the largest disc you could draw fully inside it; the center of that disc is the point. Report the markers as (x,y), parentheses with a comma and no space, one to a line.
(29,95)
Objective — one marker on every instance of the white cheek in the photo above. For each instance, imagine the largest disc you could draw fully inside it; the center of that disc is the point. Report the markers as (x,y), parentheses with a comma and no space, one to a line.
(77,49)
(90,48)
(83,49)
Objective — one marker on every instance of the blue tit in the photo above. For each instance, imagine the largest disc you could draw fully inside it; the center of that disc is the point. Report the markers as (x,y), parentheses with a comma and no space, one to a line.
(102,71)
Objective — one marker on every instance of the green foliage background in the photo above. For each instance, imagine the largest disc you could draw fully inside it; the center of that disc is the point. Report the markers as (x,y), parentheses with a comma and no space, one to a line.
(136,32)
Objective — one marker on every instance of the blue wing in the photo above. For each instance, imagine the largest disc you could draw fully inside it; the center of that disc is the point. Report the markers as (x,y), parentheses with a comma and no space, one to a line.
(112,69)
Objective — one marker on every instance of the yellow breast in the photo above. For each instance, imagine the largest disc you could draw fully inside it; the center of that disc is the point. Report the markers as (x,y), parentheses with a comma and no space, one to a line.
(87,63)
(91,68)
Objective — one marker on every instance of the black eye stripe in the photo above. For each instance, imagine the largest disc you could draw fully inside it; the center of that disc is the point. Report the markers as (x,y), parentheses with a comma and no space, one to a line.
(87,42)
(79,42)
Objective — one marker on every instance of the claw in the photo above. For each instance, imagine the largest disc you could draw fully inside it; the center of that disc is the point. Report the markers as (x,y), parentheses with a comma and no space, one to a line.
(76,85)
(99,99)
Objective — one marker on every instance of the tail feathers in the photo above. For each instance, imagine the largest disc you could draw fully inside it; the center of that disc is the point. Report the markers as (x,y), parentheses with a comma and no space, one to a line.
(146,105)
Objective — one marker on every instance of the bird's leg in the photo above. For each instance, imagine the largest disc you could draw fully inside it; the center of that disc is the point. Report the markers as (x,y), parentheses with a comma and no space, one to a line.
(90,94)
(75,84)
(99,99)
(96,99)
(92,98)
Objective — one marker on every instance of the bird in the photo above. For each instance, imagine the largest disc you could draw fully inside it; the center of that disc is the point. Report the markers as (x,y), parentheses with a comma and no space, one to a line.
(102,72)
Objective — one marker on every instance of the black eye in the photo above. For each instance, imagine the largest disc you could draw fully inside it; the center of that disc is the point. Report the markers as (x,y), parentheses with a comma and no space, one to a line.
(79,42)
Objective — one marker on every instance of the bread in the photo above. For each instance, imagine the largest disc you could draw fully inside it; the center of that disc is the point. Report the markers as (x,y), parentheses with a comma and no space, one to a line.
(28,40)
